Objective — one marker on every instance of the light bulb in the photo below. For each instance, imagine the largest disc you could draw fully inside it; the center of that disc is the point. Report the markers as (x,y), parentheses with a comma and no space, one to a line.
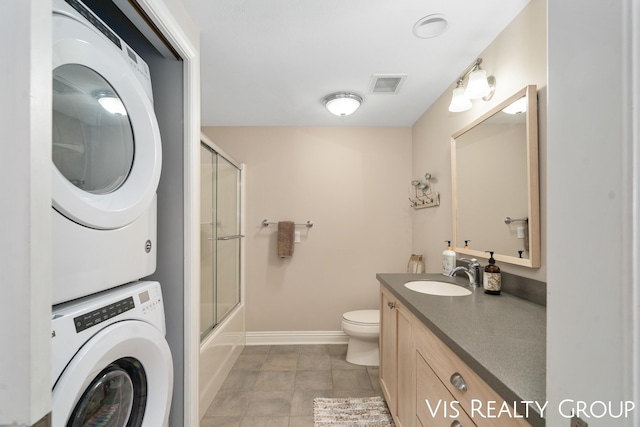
(477,86)
(459,101)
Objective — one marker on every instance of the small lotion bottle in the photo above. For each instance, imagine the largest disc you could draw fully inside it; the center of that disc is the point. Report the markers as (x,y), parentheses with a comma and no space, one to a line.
(492,278)
(448,259)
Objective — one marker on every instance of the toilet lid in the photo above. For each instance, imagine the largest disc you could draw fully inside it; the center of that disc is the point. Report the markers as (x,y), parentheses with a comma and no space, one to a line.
(363,317)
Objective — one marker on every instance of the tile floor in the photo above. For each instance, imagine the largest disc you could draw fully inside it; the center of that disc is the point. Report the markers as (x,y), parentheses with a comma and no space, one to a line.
(274,386)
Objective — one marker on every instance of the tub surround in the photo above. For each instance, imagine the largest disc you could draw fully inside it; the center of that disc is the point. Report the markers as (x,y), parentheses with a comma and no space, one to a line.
(501,337)
(218,353)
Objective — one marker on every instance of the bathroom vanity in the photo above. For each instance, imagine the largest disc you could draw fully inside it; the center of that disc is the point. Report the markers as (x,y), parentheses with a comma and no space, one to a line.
(460,361)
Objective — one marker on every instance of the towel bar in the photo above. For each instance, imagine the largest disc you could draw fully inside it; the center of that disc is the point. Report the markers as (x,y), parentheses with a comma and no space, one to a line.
(235,236)
(266,223)
(509,220)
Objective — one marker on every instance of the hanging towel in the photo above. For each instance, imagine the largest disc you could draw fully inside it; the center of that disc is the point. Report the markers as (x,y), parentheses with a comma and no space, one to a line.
(286,231)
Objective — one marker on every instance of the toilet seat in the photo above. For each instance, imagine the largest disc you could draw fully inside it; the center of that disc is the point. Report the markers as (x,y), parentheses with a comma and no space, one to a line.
(362,317)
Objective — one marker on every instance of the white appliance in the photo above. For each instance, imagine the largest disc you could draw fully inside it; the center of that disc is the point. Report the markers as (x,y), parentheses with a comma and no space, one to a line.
(106,155)
(111,363)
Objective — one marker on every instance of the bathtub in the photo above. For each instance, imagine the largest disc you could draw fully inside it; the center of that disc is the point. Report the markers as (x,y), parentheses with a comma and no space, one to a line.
(218,352)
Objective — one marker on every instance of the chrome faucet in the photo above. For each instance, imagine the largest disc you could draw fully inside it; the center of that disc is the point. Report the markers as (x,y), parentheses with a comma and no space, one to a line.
(472,271)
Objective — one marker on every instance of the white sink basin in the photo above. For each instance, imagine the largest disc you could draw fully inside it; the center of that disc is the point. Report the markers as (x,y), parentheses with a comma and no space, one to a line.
(434,287)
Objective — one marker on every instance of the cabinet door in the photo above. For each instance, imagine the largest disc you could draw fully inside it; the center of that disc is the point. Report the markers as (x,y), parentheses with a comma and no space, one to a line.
(388,347)
(436,407)
(406,362)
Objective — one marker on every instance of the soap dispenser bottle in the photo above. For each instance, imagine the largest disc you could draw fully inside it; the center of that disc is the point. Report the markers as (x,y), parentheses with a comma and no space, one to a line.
(448,259)
(492,279)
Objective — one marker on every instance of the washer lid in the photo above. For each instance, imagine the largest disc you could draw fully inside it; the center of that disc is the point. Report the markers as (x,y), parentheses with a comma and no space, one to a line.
(106,164)
(363,317)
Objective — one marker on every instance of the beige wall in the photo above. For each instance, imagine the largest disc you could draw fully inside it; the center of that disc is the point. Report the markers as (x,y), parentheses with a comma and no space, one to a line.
(353,184)
(517,58)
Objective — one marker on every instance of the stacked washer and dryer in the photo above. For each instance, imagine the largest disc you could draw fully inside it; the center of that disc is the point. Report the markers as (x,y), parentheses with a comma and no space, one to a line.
(111,362)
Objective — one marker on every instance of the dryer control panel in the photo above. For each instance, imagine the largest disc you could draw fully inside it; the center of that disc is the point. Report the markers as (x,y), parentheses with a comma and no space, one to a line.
(132,58)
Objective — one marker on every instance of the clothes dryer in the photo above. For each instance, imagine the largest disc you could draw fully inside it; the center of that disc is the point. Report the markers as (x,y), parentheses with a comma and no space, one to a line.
(106,157)
(111,364)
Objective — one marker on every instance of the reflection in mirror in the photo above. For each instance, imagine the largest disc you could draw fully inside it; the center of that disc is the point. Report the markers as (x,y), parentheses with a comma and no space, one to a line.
(495,183)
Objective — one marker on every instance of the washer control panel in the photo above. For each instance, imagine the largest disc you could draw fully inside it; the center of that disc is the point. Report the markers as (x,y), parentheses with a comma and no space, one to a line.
(150,300)
(147,301)
(95,317)
(76,322)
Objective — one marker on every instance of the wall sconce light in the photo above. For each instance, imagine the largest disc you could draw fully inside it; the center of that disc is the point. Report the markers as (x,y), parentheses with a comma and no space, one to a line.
(342,103)
(478,86)
(423,197)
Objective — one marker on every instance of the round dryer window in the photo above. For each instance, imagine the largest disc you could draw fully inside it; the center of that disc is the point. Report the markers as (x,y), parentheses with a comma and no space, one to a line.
(92,137)
(106,140)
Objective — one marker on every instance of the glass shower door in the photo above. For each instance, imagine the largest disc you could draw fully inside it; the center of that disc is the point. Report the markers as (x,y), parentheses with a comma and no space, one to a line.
(220,238)
(227,262)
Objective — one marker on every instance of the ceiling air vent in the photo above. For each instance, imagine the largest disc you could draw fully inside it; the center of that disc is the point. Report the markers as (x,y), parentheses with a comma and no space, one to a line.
(386,83)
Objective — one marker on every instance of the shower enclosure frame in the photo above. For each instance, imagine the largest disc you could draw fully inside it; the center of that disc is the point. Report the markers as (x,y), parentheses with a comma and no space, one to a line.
(221,237)
(221,344)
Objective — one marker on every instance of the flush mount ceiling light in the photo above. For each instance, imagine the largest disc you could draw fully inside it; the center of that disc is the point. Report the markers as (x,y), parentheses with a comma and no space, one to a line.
(342,103)
(111,103)
(431,26)
(478,86)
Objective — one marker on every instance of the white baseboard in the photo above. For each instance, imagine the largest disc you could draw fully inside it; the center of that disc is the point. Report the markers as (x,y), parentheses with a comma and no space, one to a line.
(296,337)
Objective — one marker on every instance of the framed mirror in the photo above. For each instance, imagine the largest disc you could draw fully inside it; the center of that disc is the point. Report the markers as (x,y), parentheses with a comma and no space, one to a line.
(494,174)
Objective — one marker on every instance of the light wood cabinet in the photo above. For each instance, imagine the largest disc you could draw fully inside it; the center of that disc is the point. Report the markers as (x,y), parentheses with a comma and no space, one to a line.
(397,360)
(406,406)
(416,367)
(388,350)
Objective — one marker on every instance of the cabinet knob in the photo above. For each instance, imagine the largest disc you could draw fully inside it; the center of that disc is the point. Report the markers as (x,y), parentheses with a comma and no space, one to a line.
(456,423)
(458,382)
(391,305)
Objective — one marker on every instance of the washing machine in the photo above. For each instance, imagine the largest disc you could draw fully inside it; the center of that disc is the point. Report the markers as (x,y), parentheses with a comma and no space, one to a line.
(111,363)
(106,156)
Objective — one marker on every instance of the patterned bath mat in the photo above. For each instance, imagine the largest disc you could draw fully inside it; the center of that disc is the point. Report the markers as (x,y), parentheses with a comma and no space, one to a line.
(351,412)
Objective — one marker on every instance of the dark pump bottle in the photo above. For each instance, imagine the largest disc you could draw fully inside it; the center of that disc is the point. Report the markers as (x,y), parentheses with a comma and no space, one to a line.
(492,278)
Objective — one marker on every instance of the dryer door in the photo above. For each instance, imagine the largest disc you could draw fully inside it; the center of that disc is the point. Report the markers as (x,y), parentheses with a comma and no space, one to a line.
(106,142)
(123,376)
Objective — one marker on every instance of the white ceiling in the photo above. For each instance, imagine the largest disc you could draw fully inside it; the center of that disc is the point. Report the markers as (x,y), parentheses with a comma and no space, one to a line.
(271,62)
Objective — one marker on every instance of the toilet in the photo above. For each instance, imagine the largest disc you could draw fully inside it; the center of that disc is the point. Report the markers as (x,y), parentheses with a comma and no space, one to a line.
(363,329)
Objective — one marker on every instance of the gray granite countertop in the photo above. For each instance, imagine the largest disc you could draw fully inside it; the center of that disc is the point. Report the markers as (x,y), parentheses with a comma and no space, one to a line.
(501,337)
